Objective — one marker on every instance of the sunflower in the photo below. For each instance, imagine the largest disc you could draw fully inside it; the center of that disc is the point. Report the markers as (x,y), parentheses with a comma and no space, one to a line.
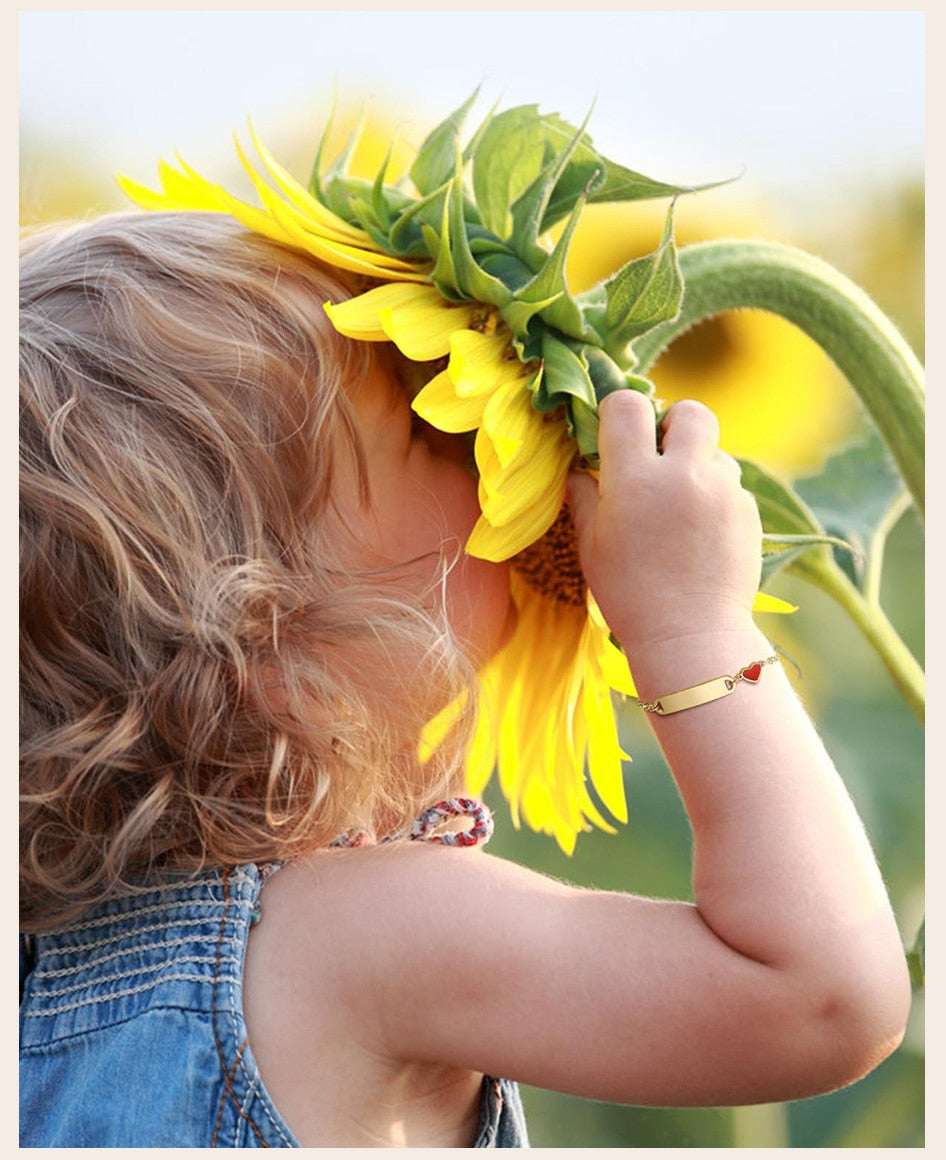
(462,278)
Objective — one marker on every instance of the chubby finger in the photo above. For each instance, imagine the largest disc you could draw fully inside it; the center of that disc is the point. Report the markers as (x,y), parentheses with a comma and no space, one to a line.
(627,433)
(690,428)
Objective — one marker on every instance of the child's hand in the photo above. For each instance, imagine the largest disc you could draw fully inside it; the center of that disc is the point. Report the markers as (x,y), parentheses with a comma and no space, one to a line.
(670,543)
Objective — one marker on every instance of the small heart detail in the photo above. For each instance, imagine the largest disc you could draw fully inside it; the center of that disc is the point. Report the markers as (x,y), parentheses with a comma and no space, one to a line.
(752,673)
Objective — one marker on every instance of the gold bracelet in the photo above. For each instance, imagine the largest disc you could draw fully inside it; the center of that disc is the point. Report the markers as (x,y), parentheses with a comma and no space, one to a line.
(712,690)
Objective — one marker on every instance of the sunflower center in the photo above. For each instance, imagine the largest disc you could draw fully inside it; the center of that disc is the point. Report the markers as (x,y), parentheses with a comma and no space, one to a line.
(551,565)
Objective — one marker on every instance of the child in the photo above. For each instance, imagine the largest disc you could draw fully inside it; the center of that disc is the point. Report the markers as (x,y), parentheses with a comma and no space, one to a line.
(243,594)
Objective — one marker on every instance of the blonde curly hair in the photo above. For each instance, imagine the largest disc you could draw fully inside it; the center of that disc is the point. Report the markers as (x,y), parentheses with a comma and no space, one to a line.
(182,410)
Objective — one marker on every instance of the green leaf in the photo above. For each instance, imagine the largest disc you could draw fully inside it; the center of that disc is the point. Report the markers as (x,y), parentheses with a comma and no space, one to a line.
(578,179)
(520,317)
(564,375)
(334,188)
(781,510)
(778,551)
(443,275)
(315,176)
(852,496)
(549,286)
(784,515)
(434,164)
(509,269)
(505,163)
(620,184)
(606,376)
(380,194)
(529,210)
(472,279)
(407,231)
(776,542)
(583,428)
(483,242)
(644,293)
(536,166)
(363,215)
(530,168)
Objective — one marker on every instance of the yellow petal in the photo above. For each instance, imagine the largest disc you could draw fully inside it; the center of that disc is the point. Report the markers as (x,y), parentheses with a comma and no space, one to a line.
(614,669)
(317,213)
(555,719)
(487,542)
(437,402)
(531,484)
(140,194)
(301,233)
(434,732)
(422,328)
(479,362)
(610,659)
(605,755)
(509,415)
(360,317)
(764,602)
(591,812)
(294,219)
(296,232)
(178,191)
(520,515)
(482,756)
(506,448)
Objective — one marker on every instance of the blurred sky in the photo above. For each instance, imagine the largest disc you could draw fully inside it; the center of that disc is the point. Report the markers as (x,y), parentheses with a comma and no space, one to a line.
(794,99)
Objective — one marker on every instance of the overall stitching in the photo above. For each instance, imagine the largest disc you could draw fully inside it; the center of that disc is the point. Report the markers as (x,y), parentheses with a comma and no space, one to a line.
(144,948)
(124,993)
(227,1075)
(155,908)
(136,973)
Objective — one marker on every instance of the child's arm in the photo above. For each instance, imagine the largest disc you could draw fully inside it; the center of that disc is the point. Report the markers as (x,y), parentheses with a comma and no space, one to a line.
(783,873)
(786,977)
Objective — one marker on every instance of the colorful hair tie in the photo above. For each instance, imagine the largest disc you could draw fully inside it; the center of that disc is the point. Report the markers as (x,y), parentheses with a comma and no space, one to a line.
(478,834)
(423,826)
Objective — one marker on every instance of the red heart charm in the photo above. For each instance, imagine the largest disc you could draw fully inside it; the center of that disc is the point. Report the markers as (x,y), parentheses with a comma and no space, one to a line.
(752,673)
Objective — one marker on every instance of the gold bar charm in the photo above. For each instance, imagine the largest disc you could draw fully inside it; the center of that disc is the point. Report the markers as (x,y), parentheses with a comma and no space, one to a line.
(694,695)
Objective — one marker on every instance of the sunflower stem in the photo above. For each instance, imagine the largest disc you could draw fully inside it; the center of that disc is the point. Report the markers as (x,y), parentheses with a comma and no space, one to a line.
(872,621)
(873,572)
(830,309)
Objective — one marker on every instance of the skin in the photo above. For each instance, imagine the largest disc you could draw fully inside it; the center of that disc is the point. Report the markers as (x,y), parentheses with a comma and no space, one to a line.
(785,977)
(423,505)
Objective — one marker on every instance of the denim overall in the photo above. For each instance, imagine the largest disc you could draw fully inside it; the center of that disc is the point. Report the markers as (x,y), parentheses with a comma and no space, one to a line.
(132,1031)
